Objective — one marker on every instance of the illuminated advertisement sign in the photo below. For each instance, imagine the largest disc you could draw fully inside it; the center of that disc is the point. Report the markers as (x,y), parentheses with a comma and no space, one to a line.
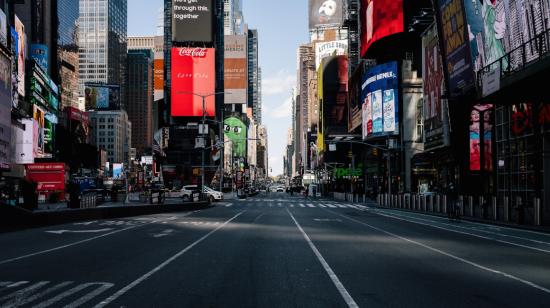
(456,52)
(159,75)
(335,95)
(3,28)
(432,72)
(235,70)
(327,49)
(193,72)
(235,130)
(481,137)
(379,18)
(21,55)
(355,103)
(379,93)
(102,97)
(192,21)
(5,111)
(325,13)
(39,52)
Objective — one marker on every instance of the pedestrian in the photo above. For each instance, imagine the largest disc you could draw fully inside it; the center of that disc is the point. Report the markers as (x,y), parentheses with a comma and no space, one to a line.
(306,192)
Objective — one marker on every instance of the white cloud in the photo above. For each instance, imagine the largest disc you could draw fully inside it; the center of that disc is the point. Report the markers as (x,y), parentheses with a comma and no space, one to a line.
(283,110)
(280,83)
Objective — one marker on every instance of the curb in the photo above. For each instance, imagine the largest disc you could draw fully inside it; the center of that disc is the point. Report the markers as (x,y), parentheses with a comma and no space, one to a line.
(14,219)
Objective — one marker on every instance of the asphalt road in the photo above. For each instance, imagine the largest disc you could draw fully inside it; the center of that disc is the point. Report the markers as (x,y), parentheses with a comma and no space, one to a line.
(276,251)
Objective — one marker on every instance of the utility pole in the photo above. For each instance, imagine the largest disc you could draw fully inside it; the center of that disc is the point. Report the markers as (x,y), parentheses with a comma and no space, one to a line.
(202,150)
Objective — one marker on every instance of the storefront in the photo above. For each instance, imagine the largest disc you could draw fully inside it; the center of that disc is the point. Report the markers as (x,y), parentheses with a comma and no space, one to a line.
(523,157)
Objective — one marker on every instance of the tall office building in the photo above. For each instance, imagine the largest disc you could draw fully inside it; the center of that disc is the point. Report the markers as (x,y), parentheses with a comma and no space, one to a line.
(306,72)
(112,132)
(103,43)
(233,22)
(253,70)
(140,97)
(257,110)
(66,60)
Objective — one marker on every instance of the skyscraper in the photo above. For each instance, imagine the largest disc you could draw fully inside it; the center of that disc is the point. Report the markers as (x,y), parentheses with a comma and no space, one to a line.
(253,69)
(232,17)
(140,97)
(102,42)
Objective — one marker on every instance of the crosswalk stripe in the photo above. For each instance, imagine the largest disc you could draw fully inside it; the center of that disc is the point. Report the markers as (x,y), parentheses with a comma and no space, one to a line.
(302,205)
(16,284)
(23,292)
(229,204)
(310,205)
(292,205)
(82,300)
(341,206)
(332,206)
(42,294)
(321,205)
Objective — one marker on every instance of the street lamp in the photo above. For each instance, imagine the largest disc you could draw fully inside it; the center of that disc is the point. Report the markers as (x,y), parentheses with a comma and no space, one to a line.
(203,96)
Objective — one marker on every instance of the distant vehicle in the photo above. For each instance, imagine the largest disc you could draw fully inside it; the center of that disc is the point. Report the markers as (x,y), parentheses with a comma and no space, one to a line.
(280,189)
(192,192)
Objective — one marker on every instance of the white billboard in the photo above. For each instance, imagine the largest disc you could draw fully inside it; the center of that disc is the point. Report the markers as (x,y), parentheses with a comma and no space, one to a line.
(235,69)
(327,49)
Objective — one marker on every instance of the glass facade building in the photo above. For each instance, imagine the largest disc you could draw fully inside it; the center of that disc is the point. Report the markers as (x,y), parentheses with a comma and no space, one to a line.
(103,43)
(66,73)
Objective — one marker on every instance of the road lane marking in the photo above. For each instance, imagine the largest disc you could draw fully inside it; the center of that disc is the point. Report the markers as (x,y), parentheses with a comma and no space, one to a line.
(479,266)
(302,205)
(102,287)
(229,204)
(79,231)
(321,205)
(2,262)
(332,206)
(13,285)
(310,205)
(335,280)
(292,205)
(397,217)
(18,295)
(341,206)
(141,279)
(39,295)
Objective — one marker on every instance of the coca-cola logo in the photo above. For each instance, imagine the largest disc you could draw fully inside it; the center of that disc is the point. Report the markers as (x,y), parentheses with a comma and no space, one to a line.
(193,52)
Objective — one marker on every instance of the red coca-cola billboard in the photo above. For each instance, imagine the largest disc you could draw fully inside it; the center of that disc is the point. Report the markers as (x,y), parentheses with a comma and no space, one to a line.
(193,71)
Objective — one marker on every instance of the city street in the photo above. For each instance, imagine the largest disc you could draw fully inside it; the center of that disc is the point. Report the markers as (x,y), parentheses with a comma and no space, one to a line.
(276,250)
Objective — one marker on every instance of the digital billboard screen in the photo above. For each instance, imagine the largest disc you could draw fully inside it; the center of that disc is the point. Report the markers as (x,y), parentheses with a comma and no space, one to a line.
(5,111)
(102,97)
(380,96)
(235,70)
(335,94)
(325,13)
(379,18)
(192,21)
(21,55)
(193,74)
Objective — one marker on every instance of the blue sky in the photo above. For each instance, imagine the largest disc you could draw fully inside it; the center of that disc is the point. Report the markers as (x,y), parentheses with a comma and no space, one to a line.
(282,27)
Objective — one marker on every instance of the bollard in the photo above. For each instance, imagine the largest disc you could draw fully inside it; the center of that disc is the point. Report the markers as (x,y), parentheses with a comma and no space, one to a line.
(431,203)
(471,205)
(461,204)
(495,213)
(536,203)
(506,208)
(413,204)
(424,203)
(445,204)
(482,206)
(438,203)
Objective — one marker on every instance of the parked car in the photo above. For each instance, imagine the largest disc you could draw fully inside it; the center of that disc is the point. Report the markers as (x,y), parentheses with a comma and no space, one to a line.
(280,189)
(192,193)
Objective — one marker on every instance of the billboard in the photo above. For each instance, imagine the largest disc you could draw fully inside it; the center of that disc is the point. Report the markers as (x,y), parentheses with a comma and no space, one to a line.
(192,21)
(117,171)
(3,29)
(325,13)
(5,111)
(433,78)
(379,18)
(158,80)
(193,72)
(39,52)
(327,49)
(102,97)
(335,95)
(380,96)
(235,71)
(236,131)
(24,139)
(354,100)
(456,52)
(21,55)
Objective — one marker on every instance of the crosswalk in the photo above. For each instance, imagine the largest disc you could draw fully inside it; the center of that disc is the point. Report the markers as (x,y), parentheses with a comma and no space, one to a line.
(304,205)
(42,294)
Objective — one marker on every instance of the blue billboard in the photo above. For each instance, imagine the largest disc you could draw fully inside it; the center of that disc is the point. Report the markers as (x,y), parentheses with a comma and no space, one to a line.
(380,101)
(39,52)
